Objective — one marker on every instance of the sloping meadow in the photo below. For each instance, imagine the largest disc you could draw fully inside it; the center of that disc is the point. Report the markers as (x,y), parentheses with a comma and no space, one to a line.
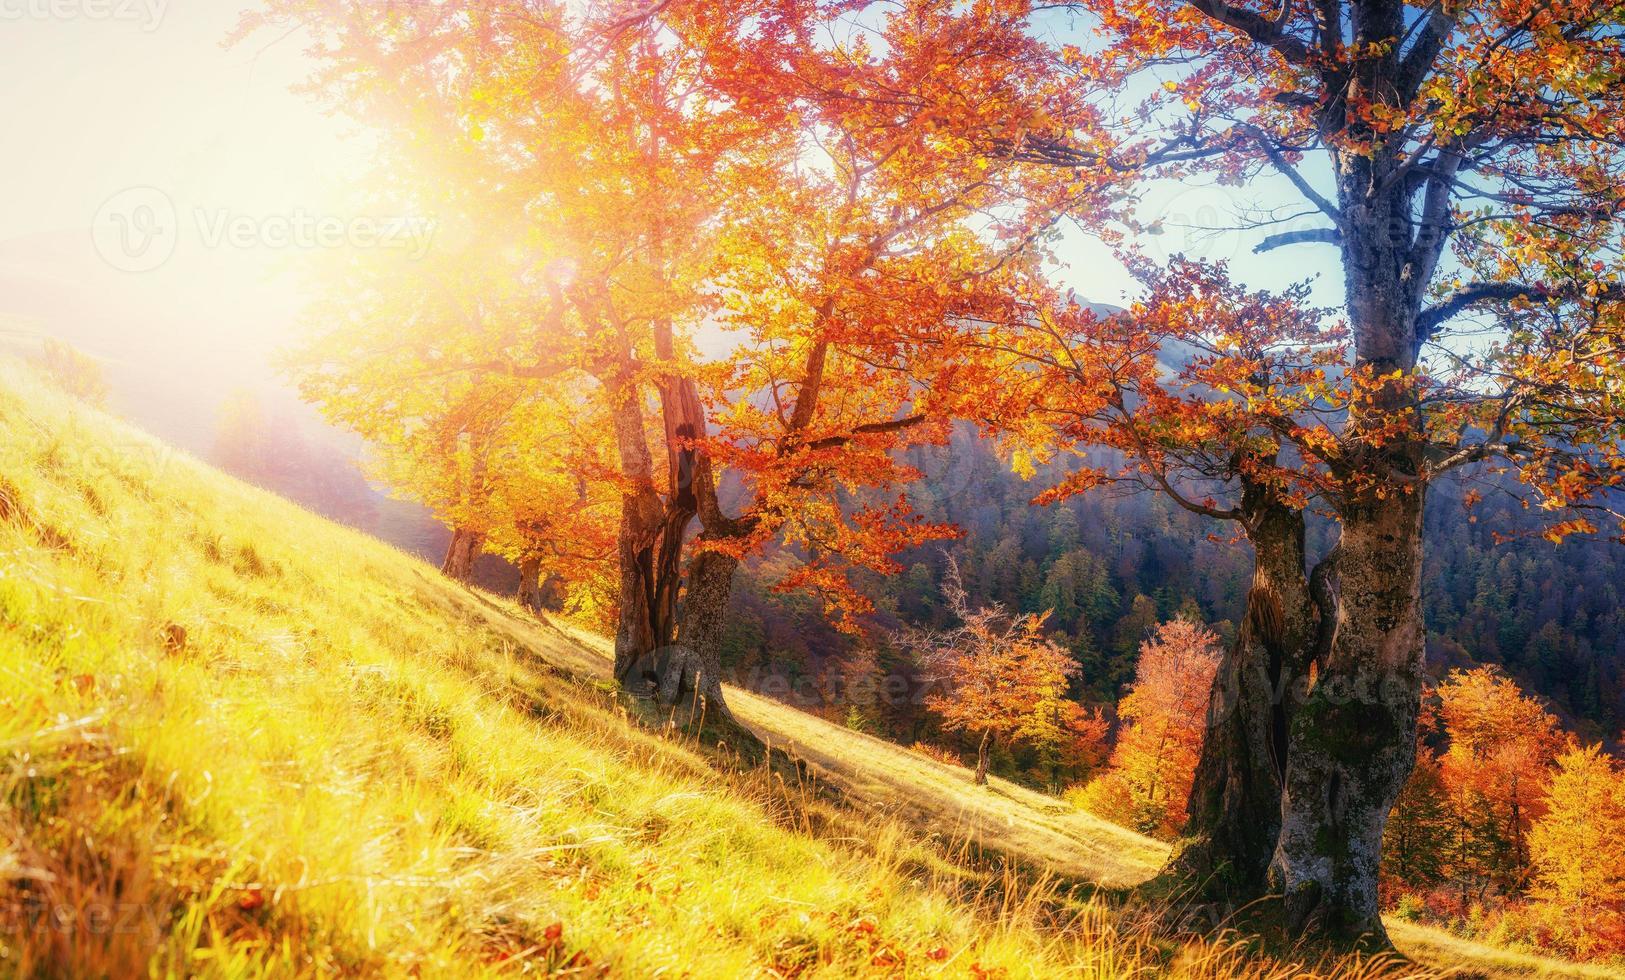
(238,740)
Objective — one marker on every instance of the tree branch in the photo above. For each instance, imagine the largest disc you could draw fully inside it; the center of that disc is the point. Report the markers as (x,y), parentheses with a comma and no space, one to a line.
(1290,172)
(868,428)
(1418,62)
(1326,236)
(1483,293)
(1264,30)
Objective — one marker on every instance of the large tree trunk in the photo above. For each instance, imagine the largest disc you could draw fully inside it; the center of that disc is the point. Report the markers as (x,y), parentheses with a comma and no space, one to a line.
(649,546)
(1354,741)
(1224,853)
(692,672)
(530,584)
(648,594)
(464,548)
(982,752)
(655,654)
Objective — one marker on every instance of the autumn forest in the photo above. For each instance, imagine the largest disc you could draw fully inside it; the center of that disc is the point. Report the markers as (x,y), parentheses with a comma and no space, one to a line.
(836,358)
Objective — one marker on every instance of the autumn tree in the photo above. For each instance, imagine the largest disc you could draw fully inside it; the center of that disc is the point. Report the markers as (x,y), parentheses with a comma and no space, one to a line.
(771,172)
(1502,743)
(997,677)
(1579,866)
(463,445)
(1163,718)
(584,147)
(852,249)
(1463,161)
(553,507)
(1182,395)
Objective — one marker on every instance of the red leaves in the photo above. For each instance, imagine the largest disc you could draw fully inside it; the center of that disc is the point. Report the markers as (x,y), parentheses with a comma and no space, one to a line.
(549,948)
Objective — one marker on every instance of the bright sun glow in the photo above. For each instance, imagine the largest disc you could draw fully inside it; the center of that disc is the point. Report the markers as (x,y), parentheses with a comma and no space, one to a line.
(812,489)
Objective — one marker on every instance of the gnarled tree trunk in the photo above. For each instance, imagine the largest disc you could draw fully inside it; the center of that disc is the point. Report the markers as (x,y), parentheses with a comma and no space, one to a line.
(693,671)
(464,548)
(1225,850)
(664,649)
(1354,741)
(649,547)
(983,749)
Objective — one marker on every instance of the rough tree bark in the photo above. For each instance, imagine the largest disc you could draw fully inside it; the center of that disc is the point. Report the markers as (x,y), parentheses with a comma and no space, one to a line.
(664,649)
(694,668)
(1224,853)
(649,548)
(1354,741)
(982,751)
(464,548)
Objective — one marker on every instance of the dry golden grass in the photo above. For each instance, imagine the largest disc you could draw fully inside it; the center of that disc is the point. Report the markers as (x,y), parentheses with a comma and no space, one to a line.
(1436,946)
(237,740)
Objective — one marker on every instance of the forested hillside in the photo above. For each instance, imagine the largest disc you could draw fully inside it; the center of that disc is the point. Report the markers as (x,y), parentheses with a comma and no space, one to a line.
(1108,568)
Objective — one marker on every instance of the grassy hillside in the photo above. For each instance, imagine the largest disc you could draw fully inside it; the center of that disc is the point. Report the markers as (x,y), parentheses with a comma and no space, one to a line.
(237,740)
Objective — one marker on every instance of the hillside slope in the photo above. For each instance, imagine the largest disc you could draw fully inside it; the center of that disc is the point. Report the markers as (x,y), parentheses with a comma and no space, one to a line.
(238,740)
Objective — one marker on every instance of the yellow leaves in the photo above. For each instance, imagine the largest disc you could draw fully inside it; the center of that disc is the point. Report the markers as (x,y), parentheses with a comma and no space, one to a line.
(1022,463)
(1557,532)
(1580,869)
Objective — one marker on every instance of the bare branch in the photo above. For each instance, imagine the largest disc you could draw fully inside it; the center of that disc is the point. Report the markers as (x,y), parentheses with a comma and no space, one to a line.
(1287,170)
(1264,30)
(1486,293)
(1326,236)
(868,428)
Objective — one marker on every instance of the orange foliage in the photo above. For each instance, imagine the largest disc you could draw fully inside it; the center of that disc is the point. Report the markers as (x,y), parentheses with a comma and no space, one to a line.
(616,185)
(1512,826)
(1001,678)
(1502,743)
(1164,718)
(1580,865)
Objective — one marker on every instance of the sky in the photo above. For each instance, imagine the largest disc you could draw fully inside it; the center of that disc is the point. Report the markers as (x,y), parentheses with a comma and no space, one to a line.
(159,193)
(163,192)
